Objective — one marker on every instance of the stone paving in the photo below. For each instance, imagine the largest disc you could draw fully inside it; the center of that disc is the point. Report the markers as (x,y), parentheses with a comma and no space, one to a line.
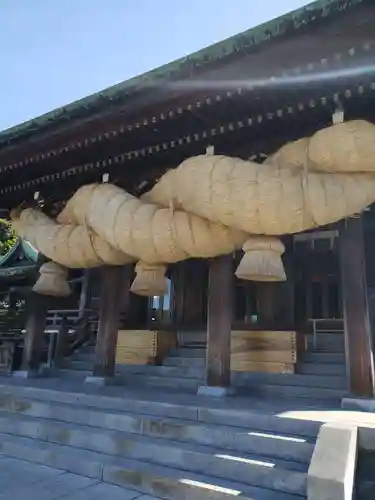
(20,480)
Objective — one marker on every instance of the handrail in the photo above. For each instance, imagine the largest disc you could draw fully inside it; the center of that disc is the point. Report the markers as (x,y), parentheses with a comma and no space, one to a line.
(64,311)
(67,338)
(69,330)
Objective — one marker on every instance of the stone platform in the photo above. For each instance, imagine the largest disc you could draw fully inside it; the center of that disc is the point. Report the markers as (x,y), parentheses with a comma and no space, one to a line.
(156,444)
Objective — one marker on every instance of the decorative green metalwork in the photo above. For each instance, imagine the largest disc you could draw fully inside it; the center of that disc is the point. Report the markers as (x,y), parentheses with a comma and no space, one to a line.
(184,67)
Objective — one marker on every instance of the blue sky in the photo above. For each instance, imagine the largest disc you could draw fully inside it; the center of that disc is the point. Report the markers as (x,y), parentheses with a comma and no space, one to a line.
(54,52)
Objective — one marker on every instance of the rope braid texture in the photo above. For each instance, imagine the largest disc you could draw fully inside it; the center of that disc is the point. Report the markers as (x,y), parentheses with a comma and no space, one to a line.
(213,205)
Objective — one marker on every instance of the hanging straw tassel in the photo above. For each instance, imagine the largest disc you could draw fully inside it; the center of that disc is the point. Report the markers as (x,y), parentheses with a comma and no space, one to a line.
(262,260)
(150,280)
(52,281)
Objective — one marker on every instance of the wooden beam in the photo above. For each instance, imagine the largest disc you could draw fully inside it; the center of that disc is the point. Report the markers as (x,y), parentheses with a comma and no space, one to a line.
(358,340)
(34,338)
(219,321)
(113,286)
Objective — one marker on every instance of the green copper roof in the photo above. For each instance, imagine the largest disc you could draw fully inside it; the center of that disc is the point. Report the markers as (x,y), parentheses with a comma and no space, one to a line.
(4,258)
(31,254)
(187,65)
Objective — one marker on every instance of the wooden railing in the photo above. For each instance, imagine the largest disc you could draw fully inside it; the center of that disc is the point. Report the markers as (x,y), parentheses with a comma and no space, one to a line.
(66,331)
(11,339)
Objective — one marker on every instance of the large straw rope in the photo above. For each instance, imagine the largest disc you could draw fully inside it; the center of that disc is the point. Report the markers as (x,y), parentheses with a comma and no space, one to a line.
(145,231)
(214,205)
(73,246)
(281,196)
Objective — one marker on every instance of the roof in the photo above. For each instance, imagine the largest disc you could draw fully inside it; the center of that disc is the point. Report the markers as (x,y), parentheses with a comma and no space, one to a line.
(18,262)
(186,66)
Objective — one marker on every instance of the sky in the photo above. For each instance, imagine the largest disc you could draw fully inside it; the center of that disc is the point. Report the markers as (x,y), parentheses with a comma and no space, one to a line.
(54,52)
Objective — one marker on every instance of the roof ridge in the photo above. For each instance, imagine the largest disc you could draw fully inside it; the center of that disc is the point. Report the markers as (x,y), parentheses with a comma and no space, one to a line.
(253,37)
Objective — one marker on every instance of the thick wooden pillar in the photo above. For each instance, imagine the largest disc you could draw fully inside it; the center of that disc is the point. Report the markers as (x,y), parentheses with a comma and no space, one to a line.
(34,338)
(111,299)
(358,342)
(194,283)
(219,322)
(178,293)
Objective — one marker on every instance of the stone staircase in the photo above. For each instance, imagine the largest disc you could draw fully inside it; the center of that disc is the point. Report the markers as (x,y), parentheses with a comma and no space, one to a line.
(173,447)
(365,480)
(320,372)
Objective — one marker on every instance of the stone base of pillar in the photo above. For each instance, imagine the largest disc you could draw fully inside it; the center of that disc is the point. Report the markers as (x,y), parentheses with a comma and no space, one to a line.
(102,381)
(215,392)
(358,404)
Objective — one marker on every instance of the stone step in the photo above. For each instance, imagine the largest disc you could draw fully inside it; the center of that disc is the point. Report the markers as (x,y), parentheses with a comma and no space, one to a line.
(365,480)
(303,367)
(258,387)
(187,352)
(21,479)
(210,460)
(323,357)
(82,356)
(141,380)
(332,348)
(272,445)
(333,342)
(144,413)
(290,379)
(182,361)
(86,350)
(239,378)
(169,483)
(321,369)
(163,371)
(334,396)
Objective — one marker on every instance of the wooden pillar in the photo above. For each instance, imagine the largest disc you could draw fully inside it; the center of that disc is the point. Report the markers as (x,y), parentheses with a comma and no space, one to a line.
(358,343)
(113,286)
(285,315)
(34,338)
(36,316)
(219,324)
(178,293)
